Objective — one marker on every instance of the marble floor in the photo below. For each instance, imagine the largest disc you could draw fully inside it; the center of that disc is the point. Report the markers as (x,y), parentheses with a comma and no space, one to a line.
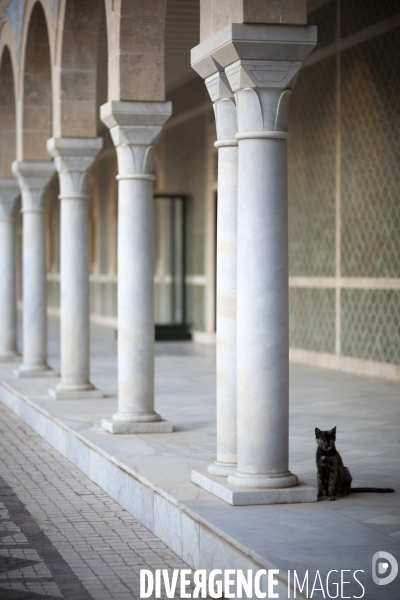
(323,536)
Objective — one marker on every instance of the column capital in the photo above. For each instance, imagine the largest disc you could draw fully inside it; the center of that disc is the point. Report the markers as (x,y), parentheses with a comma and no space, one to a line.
(262,63)
(73,158)
(75,154)
(9,192)
(224,109)
(33,178)
(135,128)
(253,42)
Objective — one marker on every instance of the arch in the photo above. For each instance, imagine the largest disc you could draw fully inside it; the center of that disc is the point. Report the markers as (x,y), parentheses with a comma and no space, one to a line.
(46,6)
(37,88)
(79,47)
(7,40)
(136,49)
(7,114)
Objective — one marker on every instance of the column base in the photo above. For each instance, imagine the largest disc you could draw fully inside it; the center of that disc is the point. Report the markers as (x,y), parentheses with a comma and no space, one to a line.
(116,426)
(220,469)
(263,482)
(74,392)
(28,372)
(250,496)
(10,357)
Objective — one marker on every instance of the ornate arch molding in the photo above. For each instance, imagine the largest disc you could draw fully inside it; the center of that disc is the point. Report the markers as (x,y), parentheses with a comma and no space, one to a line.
(33,129)
(7,40)
(51,29)
(7,108)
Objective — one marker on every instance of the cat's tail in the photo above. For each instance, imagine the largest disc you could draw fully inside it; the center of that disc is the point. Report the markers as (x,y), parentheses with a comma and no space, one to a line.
(371,489)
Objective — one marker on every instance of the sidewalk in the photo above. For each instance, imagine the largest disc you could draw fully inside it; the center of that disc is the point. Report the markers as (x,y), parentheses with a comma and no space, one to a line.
(149,475)
(61,536)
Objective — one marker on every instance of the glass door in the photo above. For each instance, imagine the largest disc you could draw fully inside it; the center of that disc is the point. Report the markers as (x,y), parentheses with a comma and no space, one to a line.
(169,268)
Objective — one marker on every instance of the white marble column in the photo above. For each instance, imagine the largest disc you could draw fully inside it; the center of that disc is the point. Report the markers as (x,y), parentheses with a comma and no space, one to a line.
(263,89)
(73,158)
(226,123)
(9,192)
(135,128)
(262,63)
(33,178)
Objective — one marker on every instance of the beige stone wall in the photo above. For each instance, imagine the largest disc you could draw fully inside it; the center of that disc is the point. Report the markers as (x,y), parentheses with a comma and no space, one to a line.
(136,49)
(217,14)
(76,105)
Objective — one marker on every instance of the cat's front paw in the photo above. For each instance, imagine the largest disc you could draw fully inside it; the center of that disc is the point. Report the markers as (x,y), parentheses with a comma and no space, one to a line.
(332,498)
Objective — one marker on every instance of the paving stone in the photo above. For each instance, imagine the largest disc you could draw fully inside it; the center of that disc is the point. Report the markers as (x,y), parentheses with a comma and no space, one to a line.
(61,536)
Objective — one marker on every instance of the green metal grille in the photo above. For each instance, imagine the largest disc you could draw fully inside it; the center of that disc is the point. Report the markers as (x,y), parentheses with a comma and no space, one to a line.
(312,173)
(371,324)
(370,158)
(312,319)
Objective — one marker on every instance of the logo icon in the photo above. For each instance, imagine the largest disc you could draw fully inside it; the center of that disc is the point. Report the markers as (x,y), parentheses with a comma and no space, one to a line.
(383,567)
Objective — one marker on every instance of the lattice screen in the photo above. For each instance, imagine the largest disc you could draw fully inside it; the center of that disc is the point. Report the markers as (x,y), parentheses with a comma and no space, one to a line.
(368,187)
(312,319)
(370,162)
(371,324)
(311,157)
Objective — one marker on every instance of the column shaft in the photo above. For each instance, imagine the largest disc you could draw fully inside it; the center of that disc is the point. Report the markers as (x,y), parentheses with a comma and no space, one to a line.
(226,124)
(34,317)
(263,349)
(262,323)
(9,192)
(74,293)
(8,340)
(226,311)
(73,158)
(135,300)
(33,178)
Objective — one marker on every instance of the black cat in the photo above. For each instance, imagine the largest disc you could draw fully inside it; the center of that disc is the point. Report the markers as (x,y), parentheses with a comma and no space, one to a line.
(333,477)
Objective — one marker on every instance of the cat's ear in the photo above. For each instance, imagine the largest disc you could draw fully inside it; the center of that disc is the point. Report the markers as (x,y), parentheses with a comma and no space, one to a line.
(317,432)
(333,431)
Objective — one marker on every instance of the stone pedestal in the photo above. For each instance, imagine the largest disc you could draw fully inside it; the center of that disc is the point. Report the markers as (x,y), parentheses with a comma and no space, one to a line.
(73,157)
(9,192)
(135,128)
(262,64)
(33,178)
(237,496)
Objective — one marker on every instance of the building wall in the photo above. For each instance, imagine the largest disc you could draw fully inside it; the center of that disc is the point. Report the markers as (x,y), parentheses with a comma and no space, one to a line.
(344,175)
